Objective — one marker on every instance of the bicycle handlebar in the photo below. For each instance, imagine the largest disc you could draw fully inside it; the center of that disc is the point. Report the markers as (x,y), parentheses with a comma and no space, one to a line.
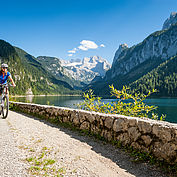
(6,85)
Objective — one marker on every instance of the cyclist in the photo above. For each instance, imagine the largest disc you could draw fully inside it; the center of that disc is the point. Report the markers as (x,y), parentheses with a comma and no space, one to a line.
(4,75)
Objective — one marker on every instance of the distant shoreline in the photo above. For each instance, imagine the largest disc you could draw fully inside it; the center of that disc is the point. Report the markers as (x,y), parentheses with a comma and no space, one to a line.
(40,95)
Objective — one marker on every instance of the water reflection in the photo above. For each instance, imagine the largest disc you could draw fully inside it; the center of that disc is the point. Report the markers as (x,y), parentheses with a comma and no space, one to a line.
(29,98)
(62,101)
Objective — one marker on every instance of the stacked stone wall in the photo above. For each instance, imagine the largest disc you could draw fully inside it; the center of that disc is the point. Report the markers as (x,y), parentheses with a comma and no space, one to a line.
(156,137)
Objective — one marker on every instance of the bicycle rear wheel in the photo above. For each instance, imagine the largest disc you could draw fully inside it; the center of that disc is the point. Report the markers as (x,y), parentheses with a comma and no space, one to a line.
(5,107)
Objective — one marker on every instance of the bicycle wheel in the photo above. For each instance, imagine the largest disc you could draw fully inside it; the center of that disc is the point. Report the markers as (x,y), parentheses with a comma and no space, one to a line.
(5,107)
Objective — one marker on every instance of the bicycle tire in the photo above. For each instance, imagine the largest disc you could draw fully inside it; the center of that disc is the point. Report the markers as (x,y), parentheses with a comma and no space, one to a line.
(5,108)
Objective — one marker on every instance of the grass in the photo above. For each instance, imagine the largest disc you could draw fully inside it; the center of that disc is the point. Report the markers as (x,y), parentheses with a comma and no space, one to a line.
(40,164)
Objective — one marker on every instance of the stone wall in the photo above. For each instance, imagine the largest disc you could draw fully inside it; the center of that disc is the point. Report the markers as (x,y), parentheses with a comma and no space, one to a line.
(146,135)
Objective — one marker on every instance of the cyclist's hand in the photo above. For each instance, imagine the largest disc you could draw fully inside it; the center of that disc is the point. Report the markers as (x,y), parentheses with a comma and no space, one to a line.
(14,85)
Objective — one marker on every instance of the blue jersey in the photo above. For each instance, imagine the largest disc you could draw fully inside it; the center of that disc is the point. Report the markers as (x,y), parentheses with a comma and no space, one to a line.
(4,77)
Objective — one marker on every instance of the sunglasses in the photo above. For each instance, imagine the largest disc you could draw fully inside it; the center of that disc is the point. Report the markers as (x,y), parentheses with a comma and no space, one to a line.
(4,68)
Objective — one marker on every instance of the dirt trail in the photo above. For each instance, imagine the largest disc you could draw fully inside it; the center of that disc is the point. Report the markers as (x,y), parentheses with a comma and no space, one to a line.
(45,149)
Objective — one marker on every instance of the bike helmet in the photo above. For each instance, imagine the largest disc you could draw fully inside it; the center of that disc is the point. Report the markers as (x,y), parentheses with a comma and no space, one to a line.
(4,65)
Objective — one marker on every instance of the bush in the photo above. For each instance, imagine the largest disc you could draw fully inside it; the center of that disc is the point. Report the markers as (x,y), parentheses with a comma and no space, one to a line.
(127,104)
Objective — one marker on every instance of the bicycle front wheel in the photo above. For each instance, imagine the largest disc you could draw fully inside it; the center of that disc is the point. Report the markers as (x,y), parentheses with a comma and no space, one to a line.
(5,107)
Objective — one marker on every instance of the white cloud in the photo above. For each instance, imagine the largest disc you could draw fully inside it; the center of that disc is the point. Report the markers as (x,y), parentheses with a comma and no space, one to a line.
(81,47)
(85,45)
(102,45)
(72,51)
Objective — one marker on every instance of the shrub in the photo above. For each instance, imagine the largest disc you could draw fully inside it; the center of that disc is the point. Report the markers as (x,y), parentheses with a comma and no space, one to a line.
(127,104)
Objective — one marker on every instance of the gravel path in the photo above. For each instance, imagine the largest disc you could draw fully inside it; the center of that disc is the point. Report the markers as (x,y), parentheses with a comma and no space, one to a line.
(10,157)
(32,147)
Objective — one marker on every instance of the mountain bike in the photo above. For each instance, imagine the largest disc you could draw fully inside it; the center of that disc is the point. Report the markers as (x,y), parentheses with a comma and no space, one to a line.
(4,101)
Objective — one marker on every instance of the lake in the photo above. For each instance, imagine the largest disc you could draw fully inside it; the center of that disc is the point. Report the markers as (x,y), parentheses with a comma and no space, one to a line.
(166,106)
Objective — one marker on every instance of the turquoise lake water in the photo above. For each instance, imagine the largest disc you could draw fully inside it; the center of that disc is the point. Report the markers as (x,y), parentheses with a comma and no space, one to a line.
(166,106)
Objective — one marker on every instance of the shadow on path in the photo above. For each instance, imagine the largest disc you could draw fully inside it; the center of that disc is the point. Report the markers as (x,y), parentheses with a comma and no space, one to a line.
(122,159)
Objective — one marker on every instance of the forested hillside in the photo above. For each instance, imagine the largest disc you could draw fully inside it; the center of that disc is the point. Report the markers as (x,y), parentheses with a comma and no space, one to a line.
(163,78)
(29,75)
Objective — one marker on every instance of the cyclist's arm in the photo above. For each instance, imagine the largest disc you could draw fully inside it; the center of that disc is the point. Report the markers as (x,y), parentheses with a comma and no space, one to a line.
(13,83)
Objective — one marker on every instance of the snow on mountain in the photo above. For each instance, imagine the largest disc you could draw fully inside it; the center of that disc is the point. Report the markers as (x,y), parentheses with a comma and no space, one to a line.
(87,69)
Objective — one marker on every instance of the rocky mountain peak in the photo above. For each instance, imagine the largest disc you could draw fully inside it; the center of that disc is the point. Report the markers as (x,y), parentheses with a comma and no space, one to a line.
(170,21)
(86,69)
(121,48)
(75,60)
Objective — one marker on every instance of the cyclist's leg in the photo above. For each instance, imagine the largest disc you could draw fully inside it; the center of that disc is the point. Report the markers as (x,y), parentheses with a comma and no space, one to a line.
(0,101)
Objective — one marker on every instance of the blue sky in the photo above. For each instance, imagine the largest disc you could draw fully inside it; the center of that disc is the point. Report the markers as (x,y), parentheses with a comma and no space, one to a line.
(80,28)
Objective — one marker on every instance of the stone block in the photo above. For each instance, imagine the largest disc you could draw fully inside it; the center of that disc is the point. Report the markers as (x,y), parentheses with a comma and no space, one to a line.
(120,125)
(134,133)
(65,119)
(75,118)
(144,126)
(132,122)
(147,140)
(85,126)
(162,132)
(124,138)
(108,135)
(109,122)
(82,117)
(90,117)
(102,121)
(165,151)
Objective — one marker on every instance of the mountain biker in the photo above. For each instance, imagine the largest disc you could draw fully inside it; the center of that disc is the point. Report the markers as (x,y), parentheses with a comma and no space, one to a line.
(4,75)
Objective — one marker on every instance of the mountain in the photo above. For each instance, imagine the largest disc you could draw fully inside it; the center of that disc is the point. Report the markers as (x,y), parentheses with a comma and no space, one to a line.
(163,78)
(170,21)
(29,75)
(53,65)
(87,69)
(76,72)
(130,64)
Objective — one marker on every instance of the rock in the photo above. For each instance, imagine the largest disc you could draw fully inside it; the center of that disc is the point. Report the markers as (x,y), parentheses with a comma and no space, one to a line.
(170,21)
(108,135)
(165,151)
(102,119)
(75,118)
(135,145)
(82,117)
(120,50)
(159,45)
(95,129)
(120,125)
(90,117)
(65,119)
(85,126)
(109,122)
(132,122)
(162,132)
(134,133)
(144,126)
(86,70)
(147,139)
(124,138)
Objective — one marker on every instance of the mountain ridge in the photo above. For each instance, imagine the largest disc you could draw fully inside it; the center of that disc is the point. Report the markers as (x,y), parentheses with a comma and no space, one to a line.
(132,63)
(80,71)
